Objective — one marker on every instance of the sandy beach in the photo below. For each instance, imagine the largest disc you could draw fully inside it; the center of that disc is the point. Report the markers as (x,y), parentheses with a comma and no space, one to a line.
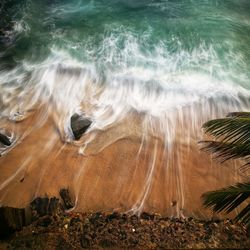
(121,170)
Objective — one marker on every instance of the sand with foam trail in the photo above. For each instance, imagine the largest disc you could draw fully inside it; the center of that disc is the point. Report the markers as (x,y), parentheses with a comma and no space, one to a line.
(123,169)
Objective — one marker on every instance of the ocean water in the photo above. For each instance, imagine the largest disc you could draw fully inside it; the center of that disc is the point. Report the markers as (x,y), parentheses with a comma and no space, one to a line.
(149,56)
(172,64)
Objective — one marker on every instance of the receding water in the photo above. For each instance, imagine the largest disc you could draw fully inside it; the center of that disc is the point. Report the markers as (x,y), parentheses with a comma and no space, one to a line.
(139,69)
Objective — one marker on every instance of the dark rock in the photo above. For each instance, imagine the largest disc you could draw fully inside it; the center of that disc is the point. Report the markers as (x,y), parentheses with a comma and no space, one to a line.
(68,203)
(45,206)
(79,125)
(4,139)
(40,206)
(55,206)
(11,219)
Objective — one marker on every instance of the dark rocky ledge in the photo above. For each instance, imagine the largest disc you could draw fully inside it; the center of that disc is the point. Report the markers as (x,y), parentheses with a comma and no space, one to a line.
(50,227)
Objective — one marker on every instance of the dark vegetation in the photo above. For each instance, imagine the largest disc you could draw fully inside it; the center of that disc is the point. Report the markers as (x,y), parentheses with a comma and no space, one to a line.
(231,141)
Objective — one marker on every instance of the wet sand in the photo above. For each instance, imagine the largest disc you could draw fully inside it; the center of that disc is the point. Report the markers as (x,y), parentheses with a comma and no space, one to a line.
(130,172)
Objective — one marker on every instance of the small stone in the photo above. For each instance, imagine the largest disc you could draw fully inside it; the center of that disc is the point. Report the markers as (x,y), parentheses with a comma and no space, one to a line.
(79,125)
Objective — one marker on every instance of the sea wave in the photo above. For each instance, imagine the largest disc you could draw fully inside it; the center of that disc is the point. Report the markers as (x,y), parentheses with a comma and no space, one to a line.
(121,79)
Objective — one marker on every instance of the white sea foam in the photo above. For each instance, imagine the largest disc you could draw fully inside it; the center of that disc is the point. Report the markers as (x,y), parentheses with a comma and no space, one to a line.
(158,84)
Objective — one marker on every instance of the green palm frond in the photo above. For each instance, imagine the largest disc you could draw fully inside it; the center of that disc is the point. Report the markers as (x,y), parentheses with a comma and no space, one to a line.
(226,150)
(244,215)
(230,129)
(232,141)
(229,198)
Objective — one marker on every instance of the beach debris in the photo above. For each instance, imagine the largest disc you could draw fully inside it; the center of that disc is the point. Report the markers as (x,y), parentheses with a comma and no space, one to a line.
(79,125)
(68,203)
(4,139)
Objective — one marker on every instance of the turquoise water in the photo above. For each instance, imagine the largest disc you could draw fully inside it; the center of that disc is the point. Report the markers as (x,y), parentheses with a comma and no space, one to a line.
(149,56)
(96,30)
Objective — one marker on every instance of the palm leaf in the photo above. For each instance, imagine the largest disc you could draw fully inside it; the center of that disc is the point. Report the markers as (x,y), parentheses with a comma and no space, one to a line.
(232,136)
(226,151)
(244,215)
(230,129)
(227,199)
